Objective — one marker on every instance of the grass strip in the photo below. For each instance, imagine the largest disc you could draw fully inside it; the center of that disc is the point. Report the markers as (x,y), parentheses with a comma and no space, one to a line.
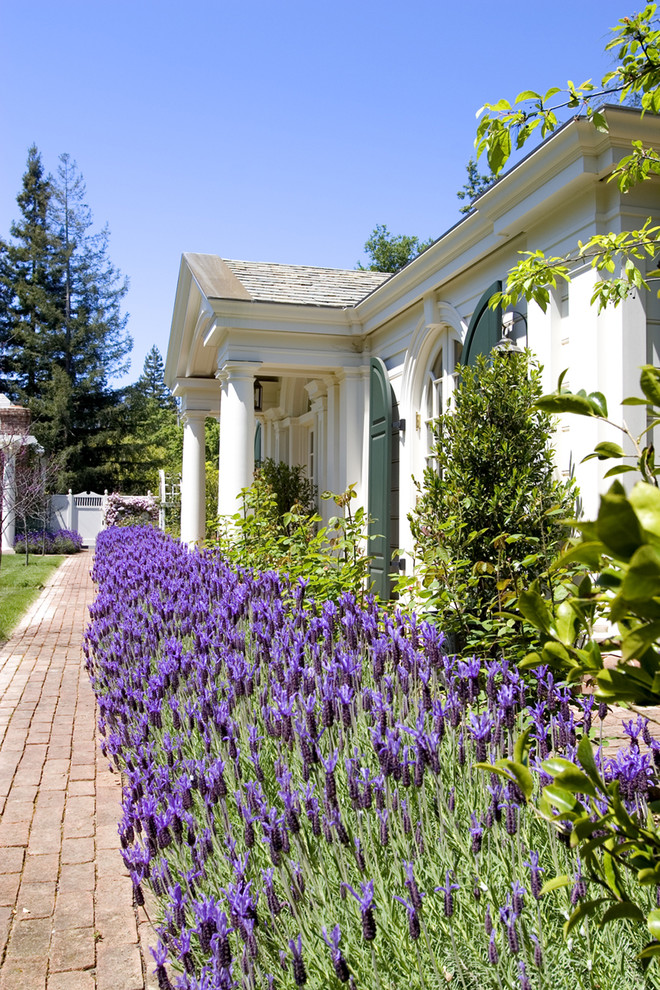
(20,585)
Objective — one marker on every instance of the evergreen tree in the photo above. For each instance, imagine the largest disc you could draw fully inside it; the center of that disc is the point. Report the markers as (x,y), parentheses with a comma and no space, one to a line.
(476,185)
(63,333)
(489,514)
(32,287)
(151,386)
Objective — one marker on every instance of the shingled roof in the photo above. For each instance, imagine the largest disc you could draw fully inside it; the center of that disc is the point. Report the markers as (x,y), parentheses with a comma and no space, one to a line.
(220,278)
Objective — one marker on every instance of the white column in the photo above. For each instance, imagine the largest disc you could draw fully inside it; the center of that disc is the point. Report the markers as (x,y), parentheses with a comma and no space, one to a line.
(8,497)
(193,479)
(353,415)
(332,470)
(236,463)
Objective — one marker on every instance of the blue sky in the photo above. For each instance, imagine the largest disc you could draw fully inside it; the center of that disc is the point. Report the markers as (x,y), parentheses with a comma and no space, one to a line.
(268,131)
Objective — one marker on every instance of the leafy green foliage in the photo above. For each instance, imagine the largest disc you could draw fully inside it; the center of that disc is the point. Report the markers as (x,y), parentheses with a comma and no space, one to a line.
(329,559)
(505,127)
(290,486)
(489,514)
(620,553)
(391,252)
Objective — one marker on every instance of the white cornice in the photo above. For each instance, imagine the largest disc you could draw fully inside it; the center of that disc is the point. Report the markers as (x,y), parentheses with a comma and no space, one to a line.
(570,161)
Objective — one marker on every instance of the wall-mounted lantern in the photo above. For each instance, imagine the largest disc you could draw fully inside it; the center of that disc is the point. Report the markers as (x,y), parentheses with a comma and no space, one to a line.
(506,344)
(258,395)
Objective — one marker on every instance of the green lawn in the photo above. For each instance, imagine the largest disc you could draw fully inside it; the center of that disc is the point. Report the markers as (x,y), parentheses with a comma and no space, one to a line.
(20,585)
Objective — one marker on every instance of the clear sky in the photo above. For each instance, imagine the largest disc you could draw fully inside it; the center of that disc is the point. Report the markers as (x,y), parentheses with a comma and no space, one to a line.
(268,131)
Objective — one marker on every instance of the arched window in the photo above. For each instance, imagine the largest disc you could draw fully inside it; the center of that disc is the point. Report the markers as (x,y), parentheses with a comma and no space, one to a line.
(439,385)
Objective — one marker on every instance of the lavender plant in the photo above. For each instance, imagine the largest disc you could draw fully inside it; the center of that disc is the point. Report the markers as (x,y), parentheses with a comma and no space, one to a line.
(298,789)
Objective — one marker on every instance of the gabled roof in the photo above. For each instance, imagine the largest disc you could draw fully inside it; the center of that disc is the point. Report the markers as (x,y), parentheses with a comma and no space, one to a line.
(256,281)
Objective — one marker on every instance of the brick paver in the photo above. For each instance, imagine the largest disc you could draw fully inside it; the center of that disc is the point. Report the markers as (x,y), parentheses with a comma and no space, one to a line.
(67,920)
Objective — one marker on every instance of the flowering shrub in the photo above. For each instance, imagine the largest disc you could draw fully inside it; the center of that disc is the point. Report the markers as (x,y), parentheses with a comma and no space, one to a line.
(44,541)
(299,790)
(130,510)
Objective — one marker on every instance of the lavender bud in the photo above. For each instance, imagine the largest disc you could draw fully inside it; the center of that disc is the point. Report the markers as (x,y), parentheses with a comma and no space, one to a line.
(368,925)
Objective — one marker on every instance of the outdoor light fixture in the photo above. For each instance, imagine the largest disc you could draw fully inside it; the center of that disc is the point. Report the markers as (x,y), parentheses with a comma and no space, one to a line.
(258,395)
(506,344)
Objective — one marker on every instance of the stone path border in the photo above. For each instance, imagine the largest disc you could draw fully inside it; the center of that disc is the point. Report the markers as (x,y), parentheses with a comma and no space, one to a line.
(67,920)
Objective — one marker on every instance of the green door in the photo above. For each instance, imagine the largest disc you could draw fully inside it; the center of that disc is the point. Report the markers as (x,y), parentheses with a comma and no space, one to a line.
(485,327)
(383,485)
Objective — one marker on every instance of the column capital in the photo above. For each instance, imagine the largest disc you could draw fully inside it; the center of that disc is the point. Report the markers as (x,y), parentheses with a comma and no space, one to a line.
(355,374)
(198,395)
(197,415)
(237,370)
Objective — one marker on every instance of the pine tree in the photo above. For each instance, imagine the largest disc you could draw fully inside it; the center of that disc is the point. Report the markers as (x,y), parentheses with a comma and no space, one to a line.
(63,334)
(31,277)
(151,383)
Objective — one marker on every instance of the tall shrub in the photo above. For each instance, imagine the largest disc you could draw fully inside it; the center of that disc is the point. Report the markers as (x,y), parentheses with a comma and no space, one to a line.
(489,517)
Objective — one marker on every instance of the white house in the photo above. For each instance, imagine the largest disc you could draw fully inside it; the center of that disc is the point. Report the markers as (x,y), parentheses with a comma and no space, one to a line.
(343,371)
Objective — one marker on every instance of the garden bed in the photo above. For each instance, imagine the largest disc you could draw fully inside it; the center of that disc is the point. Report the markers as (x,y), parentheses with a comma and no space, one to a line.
(301,793)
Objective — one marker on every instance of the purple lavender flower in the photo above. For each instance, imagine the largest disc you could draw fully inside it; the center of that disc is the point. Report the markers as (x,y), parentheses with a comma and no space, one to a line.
(338,962)
(160,958)
(535,872)
(414,929)
(448,890)
(366,908)
(299,972)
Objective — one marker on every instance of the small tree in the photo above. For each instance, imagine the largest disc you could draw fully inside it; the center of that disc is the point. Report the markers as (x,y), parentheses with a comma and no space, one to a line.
(34,476)
(490,509)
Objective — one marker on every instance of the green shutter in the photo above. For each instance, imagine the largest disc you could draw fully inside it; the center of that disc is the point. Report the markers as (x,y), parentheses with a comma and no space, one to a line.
(257,445)
(485,327)
(380,477)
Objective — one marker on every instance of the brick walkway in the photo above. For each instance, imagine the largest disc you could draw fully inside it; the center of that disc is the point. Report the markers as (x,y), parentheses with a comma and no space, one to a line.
(67,920)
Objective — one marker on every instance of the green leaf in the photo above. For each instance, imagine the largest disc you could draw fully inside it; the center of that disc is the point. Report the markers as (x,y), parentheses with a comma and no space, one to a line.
(535,610)
(645,500)
(649,951)
(585,754)
(576,781)
(555,883)
(624,910)
(583,910)
(599,121)
(618,526)
(522,777)
(653,922)
(642,579)
(564,403)
(650,383)
(619,469)
(607,449)
(559,797)
(598,403)
(636,643)
(521,746)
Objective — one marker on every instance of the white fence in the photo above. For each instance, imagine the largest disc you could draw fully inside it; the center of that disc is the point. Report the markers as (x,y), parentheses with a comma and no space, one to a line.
(83,512)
